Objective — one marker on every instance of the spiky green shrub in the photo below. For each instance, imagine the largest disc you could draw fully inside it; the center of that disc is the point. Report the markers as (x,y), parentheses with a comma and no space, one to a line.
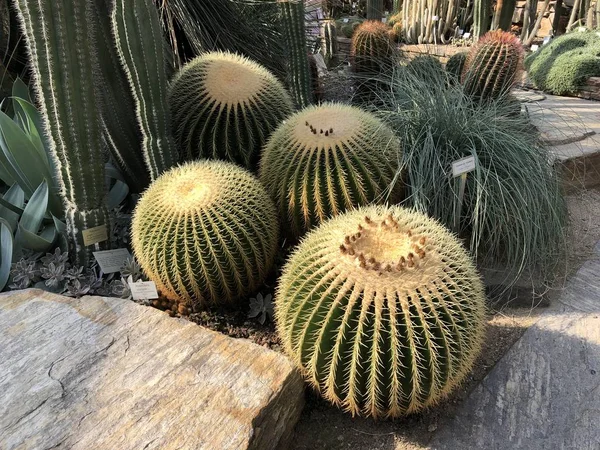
(206,232)
(225,106)
(456,64)
(513,212)
(324,160)
(382,310)
(372,50)
(563,65)
(492,65)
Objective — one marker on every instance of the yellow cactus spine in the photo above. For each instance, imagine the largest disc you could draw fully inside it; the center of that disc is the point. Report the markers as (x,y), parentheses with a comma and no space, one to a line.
(382,310)
(206,233)
(225,106)
(327,159)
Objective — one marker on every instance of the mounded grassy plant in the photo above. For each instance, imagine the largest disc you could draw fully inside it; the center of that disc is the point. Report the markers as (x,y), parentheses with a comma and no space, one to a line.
(563,65)
(206,232)
(513,211)
(372,50)
(492,65)
(382,310)
(225,106)
(326,159)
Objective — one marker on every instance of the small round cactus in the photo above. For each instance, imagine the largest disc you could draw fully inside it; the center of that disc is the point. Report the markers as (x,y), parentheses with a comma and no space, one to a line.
(372,49)
(382,310)
(456,64)
(492,65)
(326,159)
(206,232)
(225,106)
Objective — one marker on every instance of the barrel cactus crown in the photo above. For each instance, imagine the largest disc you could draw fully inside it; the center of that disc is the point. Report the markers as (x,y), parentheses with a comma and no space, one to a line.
(372,49)
(492,65)
(326,159)
(225,106)
(382,310)
(456,64)
(206,232)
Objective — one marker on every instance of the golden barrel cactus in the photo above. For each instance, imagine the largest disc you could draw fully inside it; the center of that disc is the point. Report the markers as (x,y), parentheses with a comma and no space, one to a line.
(326,159)
(225,106)
(383,311)
(206,233)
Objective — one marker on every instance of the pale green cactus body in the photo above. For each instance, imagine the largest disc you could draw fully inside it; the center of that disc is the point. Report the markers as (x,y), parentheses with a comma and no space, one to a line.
(60,39)
(206,232)
(225,106)
(326,159)
(382,310)
(140,46)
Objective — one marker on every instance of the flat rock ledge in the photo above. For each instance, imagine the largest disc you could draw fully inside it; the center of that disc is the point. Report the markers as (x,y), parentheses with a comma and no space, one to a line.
(105,373)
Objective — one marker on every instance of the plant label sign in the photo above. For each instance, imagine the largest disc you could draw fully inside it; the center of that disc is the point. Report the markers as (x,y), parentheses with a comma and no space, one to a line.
(346,20)
(467,35)
(143,290)
(111,261)
(462,166)
(95,235)
(534,48)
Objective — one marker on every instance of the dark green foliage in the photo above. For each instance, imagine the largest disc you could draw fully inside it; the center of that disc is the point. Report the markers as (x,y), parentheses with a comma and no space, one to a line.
(456,64)
(426,67)
(563,65)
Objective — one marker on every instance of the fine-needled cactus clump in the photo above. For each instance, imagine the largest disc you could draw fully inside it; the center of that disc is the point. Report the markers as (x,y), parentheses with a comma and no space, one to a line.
(382,310)
(455,65)
(225,106)
(206,233)
(327,159)
(492,65)
(372,49)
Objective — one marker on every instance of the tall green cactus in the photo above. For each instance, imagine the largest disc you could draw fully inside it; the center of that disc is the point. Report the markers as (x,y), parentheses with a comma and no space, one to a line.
(329,45)
(299,80)
(481,17)
(140,45)
(374,9)
(60,39)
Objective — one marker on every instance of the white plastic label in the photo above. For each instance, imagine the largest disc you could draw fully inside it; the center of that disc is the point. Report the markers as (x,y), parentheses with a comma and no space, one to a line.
(467,35)
(384,19)
(111,261)
(435,18)
(143,290)
(464,165)
(346,20)
(534,47)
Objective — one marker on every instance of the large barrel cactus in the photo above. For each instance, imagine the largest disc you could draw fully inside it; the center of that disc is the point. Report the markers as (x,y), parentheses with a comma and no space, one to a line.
(206,233)
(326,159)
(372,49)
(383,311)
(225,106)
(492,65)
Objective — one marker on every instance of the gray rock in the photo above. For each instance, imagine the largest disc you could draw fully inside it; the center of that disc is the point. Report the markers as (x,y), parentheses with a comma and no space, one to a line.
(105,373)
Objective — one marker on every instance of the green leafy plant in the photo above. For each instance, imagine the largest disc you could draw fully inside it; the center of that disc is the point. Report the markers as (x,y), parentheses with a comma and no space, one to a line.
(382,310)
(206,233)
(261,308)
(324,160)
(225,106)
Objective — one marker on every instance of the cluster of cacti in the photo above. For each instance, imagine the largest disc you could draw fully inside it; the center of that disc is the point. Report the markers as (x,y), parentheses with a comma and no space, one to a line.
(225,106)
(327,159)
(372,49)
(64,64)
(206,233)
(396,31)
(382,310)
(428,22)
(139,42)
(456,64)
(492,65)
(294,34)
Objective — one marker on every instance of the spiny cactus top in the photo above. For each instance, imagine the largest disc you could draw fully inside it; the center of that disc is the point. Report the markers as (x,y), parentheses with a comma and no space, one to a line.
(382,309)
(372,49)
(326,159)
(492,65)
(225,106)
(205,232)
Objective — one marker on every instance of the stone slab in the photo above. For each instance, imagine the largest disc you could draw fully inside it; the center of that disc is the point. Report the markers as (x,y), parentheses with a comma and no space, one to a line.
(544,394)
(105,373)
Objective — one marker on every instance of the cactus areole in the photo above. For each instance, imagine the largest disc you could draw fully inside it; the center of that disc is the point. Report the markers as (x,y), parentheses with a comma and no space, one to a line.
(382,310)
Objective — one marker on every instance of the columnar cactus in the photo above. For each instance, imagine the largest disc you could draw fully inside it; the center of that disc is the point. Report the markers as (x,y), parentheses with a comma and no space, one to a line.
(372,50)
(382,310)
(326,159)
(294,34)
(456,64)
(60,41)
(374,9)
(481,17)
(206,232)
(225,106)
(492,65)
(144,63)
(329,45)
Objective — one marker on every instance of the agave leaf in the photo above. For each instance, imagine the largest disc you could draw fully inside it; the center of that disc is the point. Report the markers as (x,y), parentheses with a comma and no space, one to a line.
(35,210)
(61,229)
(116,195)
(38,243)
(31,123)
(6,251)
(15,197)
(20,90)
